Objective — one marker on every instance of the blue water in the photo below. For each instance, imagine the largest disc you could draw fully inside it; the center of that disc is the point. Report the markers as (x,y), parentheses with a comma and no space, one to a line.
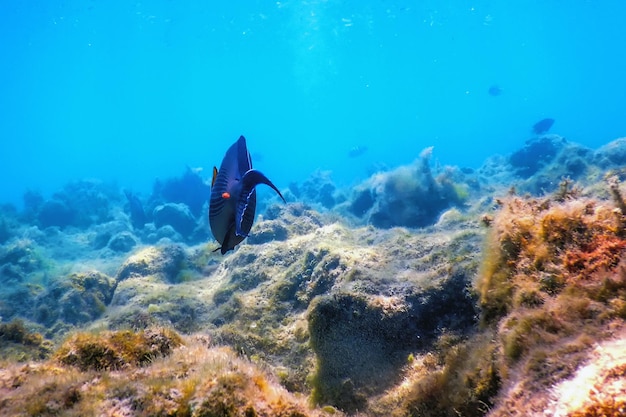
(130,91)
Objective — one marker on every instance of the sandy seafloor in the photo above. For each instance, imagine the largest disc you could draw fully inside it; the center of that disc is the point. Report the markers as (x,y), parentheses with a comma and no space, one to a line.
(421,291)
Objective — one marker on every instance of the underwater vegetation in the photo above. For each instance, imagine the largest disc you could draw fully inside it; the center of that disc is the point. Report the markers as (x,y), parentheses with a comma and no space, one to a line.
(553,283)
(319,188)
(408,196)
(18,343)
(75,299)
(153,372)
(78,204)
(360,344)
(189,189)
(422,291)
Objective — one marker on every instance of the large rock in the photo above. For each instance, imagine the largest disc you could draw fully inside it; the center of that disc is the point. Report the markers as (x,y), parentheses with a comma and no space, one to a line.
(537,153)
(122,242)
(56,213)
(361,343)
(176,215)
(165,262)
(408,196)
(79,204)
(76,299)
(189,189)
(612,154)
(17,260)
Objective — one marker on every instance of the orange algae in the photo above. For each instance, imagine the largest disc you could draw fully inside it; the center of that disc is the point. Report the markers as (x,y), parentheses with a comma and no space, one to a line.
(537,247)
(553,282)
(115,350)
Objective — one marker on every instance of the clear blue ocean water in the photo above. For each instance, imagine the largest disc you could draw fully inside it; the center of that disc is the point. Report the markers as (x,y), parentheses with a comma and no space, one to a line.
(129,91)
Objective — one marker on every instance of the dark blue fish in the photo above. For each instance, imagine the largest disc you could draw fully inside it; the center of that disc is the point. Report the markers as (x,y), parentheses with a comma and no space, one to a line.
(542,126)
(233,196)
(137,215)
(495,90)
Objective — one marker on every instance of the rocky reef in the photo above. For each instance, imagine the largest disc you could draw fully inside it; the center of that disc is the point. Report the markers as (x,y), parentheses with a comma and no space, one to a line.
(148,373)
(421,291)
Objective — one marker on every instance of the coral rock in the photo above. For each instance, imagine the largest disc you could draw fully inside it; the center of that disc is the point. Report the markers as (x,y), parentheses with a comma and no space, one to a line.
(267,231)
(176,215)
(122,242)
(56,213)
(164,262)
(115,350)
(407,196)
(76,299)
(361,342)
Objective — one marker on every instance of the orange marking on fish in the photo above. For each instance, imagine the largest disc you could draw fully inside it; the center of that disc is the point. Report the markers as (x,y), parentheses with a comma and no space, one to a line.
(226,195)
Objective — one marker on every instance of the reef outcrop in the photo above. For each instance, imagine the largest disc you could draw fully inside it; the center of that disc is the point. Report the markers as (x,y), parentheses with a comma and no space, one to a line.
(153,372)
(421,291)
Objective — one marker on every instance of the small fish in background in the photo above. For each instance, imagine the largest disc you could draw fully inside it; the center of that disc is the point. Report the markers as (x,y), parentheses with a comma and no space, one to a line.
(542,126)
(495,90)
(233,196)
(137,215)
(357,151)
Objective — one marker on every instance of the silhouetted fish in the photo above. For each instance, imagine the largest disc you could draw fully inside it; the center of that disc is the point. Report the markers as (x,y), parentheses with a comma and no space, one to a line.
(137,215)
(357,151)
(495,90)
(542,126)
(233,196)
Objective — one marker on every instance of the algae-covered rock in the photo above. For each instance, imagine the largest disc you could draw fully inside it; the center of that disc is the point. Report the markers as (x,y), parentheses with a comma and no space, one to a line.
(176,215)
(122,242)
(8,222)
(537,153)
(408,196)
(151,373)
(103,232)
(189,189)
(141,302)
(76,299)
(399,289)
(362,342)
(80,204)
(267,231)
(314,274)
(145,293)
(318,188)
(22,255)
(115,350)
(297,218)
(612,154)
(56,213)
(17,342)
(163,261)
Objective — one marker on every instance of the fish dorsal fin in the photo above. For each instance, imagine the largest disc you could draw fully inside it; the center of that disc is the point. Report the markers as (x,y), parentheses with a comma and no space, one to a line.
(244,162)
